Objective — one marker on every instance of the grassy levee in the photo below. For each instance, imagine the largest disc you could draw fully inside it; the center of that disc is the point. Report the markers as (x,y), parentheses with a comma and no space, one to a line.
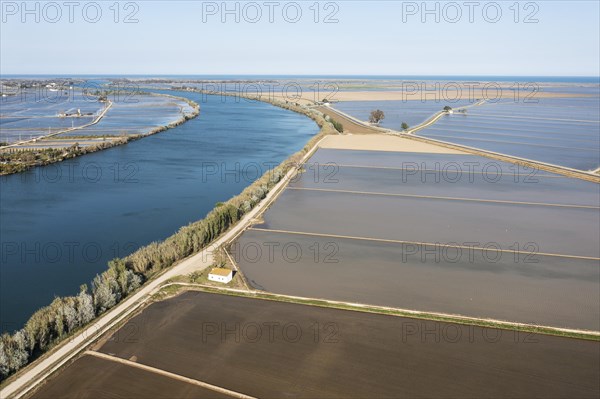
(50,326)
(176,287)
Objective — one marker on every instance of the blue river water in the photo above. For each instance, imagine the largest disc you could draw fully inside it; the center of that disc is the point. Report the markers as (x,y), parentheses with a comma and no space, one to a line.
(63,222)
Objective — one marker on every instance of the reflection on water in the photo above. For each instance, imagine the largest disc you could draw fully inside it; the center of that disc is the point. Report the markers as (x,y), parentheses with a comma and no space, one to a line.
(412,112)
(62,223)
(389,202)
(558,131)
(556,292)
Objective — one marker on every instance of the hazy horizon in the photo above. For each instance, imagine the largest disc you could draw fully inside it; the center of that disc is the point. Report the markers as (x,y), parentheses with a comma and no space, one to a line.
(236,38)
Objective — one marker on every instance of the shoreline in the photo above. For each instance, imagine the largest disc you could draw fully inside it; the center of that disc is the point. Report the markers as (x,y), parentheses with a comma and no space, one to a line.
(73,342)
(60,154)
(131,303)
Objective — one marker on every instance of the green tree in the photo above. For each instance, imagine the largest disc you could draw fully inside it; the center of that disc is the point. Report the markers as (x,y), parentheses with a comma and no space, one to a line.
(337,125)
(85,306)
(404,126)
(4,362)
(376,116)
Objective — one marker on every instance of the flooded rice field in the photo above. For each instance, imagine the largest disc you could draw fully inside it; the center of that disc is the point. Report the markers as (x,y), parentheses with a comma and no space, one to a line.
(29,115)
(515,245)
(32,113)
(136,115)
(530,289)
(563,132)
(412,112)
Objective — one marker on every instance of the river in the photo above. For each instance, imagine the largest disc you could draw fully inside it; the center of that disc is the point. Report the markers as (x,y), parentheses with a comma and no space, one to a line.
(61,223)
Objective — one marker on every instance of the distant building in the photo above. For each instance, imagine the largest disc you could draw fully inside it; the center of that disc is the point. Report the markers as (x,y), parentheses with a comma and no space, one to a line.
(220,275)
(71,112)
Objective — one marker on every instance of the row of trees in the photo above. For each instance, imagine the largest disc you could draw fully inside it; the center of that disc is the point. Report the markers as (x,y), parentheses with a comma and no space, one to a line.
(49,325)
(52,323)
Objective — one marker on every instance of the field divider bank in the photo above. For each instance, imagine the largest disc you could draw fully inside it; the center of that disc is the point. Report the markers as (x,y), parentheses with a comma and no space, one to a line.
(403,242)
(390,311)
(444,198)
(168,374)
(467,172)
(528,163)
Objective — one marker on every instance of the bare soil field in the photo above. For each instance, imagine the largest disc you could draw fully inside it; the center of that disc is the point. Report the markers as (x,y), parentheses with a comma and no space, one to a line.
(382,142)
(94,378)
(273,349)
(349,125)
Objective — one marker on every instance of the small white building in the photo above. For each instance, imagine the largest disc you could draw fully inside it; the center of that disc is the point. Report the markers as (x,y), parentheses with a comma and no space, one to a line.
(220,275)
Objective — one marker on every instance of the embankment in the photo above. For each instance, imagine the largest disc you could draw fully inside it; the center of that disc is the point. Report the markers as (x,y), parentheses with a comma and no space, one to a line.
(14,159)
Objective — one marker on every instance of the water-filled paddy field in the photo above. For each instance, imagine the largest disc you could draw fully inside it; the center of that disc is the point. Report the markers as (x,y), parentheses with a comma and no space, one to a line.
(136,115)
(29,115)
(412,112)
(516,246)
(563,132)
(32,113)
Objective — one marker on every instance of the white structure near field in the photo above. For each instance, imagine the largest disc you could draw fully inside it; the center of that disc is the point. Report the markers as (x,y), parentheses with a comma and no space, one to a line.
(220,275)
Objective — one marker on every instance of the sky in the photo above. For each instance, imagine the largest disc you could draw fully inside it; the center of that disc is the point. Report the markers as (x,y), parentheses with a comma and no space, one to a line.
(480,38)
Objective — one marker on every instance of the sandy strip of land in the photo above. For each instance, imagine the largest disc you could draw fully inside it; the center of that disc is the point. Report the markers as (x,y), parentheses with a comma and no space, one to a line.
(429,93)
(382,142)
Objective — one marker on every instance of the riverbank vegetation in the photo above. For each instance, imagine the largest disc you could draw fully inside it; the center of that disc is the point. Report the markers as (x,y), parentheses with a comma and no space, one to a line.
(50,325)
(16,159)
(65,315)
(20,160)
(337,125)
